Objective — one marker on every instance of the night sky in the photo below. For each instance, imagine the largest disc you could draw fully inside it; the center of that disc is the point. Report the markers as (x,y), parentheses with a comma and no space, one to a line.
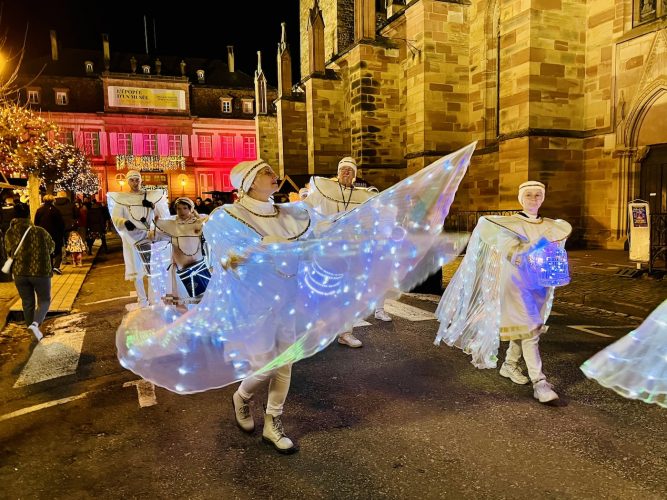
(204,31)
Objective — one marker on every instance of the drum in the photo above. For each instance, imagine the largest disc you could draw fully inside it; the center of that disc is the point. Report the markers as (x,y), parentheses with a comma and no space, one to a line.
(195,277)
(154,256)
(549,265)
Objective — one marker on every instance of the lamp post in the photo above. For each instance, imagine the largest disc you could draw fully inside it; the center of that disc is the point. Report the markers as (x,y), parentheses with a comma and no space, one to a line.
(184,181)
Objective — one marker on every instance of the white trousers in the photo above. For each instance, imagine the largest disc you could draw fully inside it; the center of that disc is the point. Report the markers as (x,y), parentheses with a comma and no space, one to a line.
(530,350)
(142,298)
(279,380)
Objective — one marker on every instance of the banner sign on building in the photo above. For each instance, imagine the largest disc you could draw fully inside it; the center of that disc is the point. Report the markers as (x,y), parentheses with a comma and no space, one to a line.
(154,180)
(640,231)
(142,98)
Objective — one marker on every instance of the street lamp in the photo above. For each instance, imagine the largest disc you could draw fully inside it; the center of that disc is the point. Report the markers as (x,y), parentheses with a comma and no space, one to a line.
(183,182)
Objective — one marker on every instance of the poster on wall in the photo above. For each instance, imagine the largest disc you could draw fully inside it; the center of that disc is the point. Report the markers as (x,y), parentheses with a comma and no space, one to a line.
(640,231)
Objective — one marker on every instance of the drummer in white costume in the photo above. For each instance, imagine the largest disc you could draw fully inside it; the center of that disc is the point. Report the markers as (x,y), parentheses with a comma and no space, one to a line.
(133,214)
(339,195)
(256,182)
(188,273)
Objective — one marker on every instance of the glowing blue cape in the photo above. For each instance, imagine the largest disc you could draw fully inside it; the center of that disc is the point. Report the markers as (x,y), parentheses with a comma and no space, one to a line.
(635,366)
(288,301)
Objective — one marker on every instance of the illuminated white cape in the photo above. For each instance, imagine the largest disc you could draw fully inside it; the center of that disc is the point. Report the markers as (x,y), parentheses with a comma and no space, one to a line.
(635,366)
(479,296)
(288,301)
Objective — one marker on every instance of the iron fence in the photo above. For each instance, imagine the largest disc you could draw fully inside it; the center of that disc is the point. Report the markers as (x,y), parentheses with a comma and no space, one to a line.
(658,241)
(466,221)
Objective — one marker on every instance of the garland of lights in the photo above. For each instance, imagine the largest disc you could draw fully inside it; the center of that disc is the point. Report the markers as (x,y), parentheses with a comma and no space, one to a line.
(150,162)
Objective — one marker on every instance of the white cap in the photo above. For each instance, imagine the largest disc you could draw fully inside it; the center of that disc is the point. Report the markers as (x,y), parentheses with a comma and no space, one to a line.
(133,174)
(243,174)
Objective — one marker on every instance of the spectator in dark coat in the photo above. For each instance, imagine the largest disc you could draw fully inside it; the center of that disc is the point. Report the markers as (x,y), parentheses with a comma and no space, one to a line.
(32,266)
(66,209)
(96,225)
(50,218)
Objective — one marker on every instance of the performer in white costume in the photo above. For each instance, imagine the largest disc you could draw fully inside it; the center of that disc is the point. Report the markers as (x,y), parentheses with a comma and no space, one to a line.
(284,285)
(187,274)
(339,195)
(133,214)
(503,290)
(635,366)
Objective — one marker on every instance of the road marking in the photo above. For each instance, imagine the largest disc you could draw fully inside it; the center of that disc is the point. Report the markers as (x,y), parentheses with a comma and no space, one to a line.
(55,356)
(406,311)
(587,329)
(110,265)
(31,409)
(133,295)
(145,391)
(424,296)
(361,322)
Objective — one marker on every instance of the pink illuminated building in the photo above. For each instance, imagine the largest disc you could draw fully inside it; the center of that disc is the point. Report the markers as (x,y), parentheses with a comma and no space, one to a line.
(183,122)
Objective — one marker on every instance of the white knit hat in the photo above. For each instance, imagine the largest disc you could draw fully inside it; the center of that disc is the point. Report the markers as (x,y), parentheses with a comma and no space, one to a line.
(348,161)
(243,174)
(132,174)
(530,185)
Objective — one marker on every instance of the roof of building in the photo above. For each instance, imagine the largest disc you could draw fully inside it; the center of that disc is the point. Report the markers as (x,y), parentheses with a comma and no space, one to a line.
(71,62)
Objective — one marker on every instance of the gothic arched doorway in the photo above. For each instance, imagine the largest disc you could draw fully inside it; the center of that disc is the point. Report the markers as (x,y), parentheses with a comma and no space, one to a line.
(653,179)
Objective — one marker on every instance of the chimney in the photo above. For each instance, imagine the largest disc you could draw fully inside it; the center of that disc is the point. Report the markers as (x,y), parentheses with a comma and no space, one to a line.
(230,58)
(54,46)
(105,51)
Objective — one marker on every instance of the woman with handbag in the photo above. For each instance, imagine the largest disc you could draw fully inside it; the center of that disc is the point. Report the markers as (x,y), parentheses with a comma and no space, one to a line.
(30,247)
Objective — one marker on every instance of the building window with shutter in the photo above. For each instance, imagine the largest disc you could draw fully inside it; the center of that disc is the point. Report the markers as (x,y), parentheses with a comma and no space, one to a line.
(124,143)
(91,142)
(205,146)
(228,146)
(248,106)
(175,145)
(150,144)
(62,97)
(66,136)
(249,148)
(33,96)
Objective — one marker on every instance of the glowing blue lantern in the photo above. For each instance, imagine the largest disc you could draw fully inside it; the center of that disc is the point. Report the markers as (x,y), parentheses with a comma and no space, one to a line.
(549,266)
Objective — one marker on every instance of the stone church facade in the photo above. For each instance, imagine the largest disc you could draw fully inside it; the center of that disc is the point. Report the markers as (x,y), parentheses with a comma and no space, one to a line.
(569,92)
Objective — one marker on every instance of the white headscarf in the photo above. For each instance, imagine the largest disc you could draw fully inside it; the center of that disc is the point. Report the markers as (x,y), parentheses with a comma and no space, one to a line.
(530,185)
(243,174)
(133,174)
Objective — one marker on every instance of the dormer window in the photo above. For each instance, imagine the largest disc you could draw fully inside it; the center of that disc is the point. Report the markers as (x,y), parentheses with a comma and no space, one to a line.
(62,97)
(248,106)
(89,67)
(146,69)
(200,75)
(33,96)
(226,104)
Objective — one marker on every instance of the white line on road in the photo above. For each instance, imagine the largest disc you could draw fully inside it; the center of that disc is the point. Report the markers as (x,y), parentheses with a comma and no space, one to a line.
(587,329)
(424,296)
(57,355)
(406,311)
(361,322)
(41,406)
(110,265)
(133,295)
(145,391)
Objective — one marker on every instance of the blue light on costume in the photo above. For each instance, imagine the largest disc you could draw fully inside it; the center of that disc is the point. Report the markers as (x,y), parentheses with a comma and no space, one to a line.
(549,264)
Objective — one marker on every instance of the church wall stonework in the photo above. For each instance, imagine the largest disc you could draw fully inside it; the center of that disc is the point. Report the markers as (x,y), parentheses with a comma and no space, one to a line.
(553,90)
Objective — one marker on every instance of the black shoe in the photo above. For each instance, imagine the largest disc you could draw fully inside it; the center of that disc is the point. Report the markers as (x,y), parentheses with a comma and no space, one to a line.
(57,270)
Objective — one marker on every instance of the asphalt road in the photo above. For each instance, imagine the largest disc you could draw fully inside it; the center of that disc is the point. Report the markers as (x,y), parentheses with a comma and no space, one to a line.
(399,418)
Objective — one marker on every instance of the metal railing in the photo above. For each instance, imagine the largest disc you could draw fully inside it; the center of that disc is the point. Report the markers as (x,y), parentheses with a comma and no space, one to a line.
(658,241)
(466,221)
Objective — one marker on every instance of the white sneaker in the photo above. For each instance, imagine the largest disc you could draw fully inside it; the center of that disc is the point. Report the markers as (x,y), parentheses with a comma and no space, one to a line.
(242,413)
(382,315)
(274,434)
(34,328)
(513,373)
(543,392)
(349,340)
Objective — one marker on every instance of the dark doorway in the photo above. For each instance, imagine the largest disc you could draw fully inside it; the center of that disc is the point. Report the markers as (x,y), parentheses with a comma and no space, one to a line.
(653,179)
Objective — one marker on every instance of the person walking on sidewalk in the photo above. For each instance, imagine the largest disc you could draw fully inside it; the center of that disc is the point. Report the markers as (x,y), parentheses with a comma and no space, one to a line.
(340,195)
(498,294)
(32,268)
(96,225)
(51,219)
